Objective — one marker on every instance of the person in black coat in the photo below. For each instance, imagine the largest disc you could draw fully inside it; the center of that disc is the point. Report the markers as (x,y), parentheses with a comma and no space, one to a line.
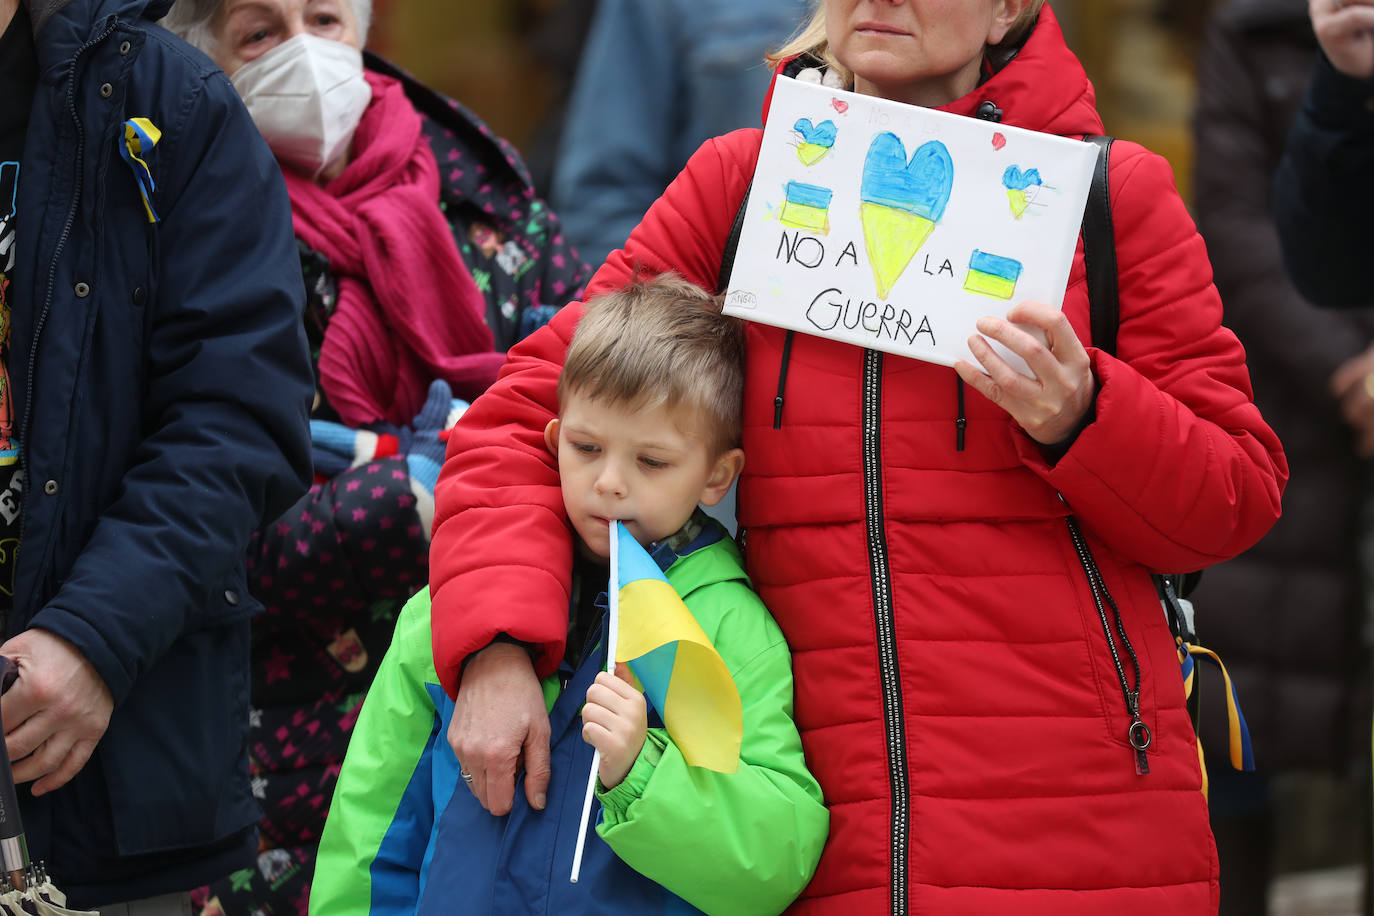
(154,389)
(1300,676)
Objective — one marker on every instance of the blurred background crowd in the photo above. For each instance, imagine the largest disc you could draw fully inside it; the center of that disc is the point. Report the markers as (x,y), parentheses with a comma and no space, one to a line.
(604,106)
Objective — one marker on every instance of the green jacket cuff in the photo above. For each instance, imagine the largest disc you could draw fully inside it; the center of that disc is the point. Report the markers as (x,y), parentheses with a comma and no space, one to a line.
(615,802)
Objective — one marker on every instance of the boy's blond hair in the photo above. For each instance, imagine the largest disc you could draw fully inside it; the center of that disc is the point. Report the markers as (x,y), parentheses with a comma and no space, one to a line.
(810,39)
(661,342)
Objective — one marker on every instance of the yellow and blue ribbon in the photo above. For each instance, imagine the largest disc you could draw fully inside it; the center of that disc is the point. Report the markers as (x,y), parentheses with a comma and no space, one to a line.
(140,136)
(1242,753)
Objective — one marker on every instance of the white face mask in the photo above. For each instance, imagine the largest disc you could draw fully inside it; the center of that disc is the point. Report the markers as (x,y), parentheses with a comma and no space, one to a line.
(306,96)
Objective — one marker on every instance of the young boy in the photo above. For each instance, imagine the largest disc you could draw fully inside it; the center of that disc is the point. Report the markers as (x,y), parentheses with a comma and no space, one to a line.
(648,427)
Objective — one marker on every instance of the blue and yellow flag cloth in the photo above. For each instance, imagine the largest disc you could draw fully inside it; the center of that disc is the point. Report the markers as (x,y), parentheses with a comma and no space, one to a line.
(1241,751)
(682,674)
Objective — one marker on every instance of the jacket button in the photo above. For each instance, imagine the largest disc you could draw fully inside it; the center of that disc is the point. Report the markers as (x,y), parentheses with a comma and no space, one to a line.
(231,597)
(140,295)
(988,111)
(106,90)
(82,290)
(124,47)
(50,487)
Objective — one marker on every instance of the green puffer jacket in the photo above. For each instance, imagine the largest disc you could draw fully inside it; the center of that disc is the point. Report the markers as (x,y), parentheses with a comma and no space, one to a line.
(399,835)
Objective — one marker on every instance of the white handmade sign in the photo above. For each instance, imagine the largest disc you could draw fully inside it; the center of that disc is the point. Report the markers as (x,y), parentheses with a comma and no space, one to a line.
(897,227)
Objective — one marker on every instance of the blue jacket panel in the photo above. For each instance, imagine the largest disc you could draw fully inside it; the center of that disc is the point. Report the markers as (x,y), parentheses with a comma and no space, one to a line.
(519,864)
(161,381)
(397,882)
(656,80)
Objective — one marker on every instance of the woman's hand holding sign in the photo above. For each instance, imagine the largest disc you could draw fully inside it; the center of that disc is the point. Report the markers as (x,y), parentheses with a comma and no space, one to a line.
(1050,406)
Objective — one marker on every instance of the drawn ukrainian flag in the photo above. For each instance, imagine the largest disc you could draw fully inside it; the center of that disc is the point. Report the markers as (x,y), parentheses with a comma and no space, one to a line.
(992,275)
(807,206)
(682,674)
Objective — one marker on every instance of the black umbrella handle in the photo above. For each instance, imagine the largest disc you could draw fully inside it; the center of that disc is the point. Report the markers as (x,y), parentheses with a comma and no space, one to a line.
(14,851)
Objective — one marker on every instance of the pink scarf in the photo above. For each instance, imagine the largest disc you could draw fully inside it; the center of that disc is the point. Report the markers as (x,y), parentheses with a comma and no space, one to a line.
(408,311)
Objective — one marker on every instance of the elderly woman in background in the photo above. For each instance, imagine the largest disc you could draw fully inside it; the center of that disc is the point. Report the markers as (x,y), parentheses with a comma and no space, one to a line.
(425,255)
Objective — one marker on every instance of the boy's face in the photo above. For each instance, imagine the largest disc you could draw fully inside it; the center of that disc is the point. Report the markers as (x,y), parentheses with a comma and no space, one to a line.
(646,467)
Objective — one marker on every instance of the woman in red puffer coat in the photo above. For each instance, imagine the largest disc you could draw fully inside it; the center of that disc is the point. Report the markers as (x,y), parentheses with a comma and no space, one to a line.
(964,701)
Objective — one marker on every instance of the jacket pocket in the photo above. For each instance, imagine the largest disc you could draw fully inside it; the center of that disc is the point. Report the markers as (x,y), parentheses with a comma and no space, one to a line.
(175,757)
(228,603)
(1124,682)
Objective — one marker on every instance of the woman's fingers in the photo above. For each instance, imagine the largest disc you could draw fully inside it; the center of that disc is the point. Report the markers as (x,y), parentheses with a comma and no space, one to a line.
(1052,402)
(1007,379)
(1055,334)
(1027,342)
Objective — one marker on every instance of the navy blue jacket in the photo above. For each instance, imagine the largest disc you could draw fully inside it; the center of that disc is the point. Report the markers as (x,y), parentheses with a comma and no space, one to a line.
(161,382)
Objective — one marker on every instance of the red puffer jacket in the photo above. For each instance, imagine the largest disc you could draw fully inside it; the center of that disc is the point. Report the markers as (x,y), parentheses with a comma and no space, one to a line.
(957,689)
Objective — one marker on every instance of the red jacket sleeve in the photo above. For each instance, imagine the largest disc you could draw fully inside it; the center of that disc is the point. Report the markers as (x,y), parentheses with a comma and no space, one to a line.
(1177,470)
(501,556)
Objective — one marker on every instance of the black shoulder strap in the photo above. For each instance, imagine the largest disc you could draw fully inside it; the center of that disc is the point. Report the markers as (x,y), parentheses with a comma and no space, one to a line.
(1099,253)
(1104,310)
(727,259)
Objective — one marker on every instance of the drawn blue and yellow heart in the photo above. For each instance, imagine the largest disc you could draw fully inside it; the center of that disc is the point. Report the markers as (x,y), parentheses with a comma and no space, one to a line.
(817,140)
(901,200)
(1019,187)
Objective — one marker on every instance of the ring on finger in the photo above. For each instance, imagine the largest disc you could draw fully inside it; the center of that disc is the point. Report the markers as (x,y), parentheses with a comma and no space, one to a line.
(466,776)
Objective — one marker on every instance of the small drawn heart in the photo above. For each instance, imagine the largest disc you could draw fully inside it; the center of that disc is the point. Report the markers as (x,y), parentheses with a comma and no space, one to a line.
(998,141)
(1013,177)
(822,134)
(839,105)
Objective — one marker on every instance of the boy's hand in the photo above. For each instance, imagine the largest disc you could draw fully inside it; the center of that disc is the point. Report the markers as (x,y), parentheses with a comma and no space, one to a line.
(615,721)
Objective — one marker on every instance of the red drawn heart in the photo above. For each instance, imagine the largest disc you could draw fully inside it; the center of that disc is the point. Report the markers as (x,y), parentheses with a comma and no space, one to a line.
(998,141)
(839,105)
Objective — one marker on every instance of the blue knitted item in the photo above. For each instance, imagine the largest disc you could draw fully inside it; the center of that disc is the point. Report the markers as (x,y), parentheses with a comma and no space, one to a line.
(426,453)
(333,447)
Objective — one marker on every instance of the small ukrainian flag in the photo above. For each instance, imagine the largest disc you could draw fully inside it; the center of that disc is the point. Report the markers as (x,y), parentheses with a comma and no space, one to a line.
(682,674)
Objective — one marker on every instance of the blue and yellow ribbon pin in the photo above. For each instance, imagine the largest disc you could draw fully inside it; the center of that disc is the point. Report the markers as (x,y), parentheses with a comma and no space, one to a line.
(140,136)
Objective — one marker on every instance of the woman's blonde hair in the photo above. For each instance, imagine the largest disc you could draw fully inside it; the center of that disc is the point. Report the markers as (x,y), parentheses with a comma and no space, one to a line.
(661,342)
(811,40)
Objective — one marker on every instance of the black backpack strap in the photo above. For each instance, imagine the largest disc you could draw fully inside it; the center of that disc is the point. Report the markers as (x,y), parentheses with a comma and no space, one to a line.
(727,259)
(1099,252)
(1104,310)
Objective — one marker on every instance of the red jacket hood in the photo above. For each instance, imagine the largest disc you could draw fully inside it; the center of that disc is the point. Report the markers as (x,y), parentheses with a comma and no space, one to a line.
(1043,88)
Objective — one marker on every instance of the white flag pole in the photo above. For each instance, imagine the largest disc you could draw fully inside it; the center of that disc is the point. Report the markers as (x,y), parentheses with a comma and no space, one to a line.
(612,631)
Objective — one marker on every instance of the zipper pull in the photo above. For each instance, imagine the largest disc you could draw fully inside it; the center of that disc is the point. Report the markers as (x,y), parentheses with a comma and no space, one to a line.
(1138,735)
